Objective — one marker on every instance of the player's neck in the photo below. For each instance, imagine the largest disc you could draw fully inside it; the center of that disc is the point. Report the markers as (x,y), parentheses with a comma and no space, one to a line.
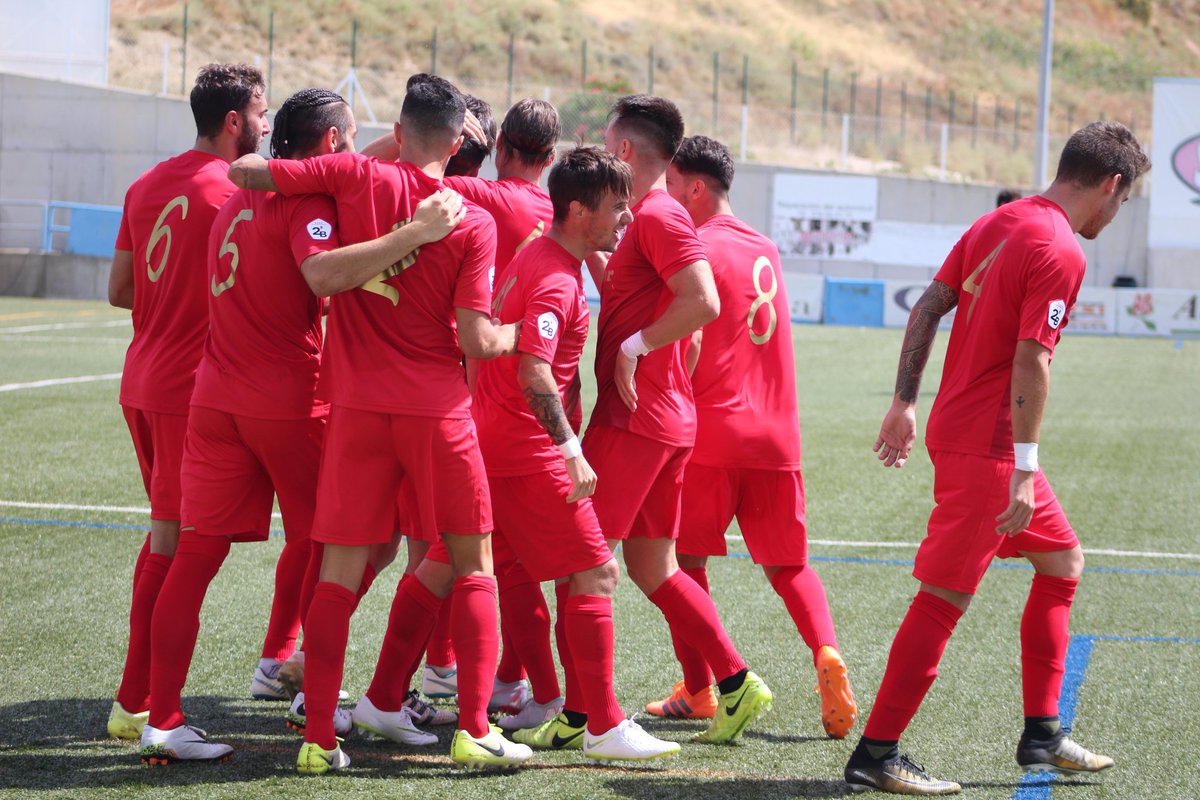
(220,146)
(646,180)
(1079,206)
(574,245)
(428,164)
(519,171)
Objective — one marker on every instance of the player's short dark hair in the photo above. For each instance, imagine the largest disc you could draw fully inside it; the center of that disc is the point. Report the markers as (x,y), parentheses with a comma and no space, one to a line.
(531,131)
(1005,196)
(586,174)
(1100,150)
(219,89)
(700,155)
(656,120)
(304,118)
(471,153)
(433,108)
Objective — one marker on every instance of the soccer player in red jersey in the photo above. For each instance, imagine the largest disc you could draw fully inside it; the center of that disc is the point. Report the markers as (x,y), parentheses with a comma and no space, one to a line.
(473,152)
(746,461)
(656,291)
(1014,277)
(256,422)
(400,409)
(159,271)
(522,211)
(528,414)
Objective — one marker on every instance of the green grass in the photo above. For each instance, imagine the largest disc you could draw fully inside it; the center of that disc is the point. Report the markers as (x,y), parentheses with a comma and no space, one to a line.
(1121,443)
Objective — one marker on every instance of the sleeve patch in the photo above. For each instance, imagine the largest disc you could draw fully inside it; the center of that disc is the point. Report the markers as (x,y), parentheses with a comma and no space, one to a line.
(319,229)
(1056,313)
(547,324)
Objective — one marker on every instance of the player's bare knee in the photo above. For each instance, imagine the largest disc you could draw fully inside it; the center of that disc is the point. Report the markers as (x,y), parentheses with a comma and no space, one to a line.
(436,576)
(601,580)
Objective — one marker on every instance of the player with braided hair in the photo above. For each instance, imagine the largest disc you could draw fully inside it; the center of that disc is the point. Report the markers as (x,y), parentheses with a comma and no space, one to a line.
(257,420)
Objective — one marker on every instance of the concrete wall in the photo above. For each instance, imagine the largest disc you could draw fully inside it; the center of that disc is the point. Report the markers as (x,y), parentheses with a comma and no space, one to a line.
(54,275)
(80,143)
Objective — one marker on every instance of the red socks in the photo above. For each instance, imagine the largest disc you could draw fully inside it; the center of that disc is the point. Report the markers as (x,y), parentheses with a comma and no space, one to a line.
(412,617)
(1044,640)
(696,674)
(326,629)
(693,617)
(804,596)
(284,624)
(573,700)
(141,560)
(912,665)
(474,618)
(525,628)
(440,650)
(134,692)
(176,622)
(590,628)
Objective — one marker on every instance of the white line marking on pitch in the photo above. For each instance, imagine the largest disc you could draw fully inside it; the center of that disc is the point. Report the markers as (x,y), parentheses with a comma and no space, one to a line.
(25,337)
(74,507)
(733,537)
(65,326)
(12,387)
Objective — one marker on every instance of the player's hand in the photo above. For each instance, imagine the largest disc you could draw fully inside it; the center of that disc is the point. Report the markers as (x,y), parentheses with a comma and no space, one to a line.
(897,434)
(472,128)
(439,214)
(623,374)
(241,171)
(583,478)
(1021,504)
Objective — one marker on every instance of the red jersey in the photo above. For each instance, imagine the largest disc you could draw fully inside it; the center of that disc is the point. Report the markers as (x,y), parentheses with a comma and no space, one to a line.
(263,351)
(1017,272)
(392,346)
(659,242)
(745,379)
(522,212)
(547,295)
(165,223)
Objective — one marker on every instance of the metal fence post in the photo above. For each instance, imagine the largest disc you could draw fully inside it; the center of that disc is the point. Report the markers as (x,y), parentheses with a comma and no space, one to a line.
(583,66)
(650,71)
(824,102)
(183,69)
(945,146)
(745,102)
(853,103)
(845,140)
(270,53)
(928,112)
(716,90)
(432,52)
(795,78)
(512,53)
(878,107)
(903,111)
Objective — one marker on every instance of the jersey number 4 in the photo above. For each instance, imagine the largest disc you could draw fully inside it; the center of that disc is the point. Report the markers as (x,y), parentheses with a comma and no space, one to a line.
(973,285)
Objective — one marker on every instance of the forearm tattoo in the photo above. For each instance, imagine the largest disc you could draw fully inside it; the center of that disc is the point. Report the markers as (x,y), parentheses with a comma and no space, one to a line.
(937,301)
(548,410)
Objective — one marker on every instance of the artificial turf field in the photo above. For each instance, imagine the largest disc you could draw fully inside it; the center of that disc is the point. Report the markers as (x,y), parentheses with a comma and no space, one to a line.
(1121,443)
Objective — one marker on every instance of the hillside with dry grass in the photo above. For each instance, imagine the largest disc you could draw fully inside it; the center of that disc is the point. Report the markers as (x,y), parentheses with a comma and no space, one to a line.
(971,63)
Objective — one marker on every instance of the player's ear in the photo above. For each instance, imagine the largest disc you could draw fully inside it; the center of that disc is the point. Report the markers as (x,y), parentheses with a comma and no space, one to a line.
(1111,184)
(576,209)
(396,132)
(233,122)
(457,144)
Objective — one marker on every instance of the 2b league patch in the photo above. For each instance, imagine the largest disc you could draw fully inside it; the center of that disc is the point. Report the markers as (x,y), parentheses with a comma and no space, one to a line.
(1056,313)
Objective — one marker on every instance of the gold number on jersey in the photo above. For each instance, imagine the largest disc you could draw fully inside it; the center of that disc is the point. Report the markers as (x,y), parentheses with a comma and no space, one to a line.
(764,297)
(228,247)
(501,294)
(537,231)
(973,285)
(377,286)
(161,229)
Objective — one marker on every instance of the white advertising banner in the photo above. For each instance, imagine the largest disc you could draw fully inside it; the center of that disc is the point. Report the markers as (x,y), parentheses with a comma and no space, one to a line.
(1095,311)
(1175,186)
(823,216)
(1158,312)
(805,294)
(911,244)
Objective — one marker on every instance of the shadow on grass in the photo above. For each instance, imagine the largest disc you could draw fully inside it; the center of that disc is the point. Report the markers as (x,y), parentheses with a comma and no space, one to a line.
(683,729)
(62,744)
(668,787)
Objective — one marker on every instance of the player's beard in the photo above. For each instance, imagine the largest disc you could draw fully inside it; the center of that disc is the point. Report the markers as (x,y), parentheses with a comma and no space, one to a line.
(249,139)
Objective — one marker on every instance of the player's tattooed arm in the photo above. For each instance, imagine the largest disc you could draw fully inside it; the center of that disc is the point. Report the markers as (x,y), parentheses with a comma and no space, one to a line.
(899,429)
(252,172)
(935,303)
(541,394)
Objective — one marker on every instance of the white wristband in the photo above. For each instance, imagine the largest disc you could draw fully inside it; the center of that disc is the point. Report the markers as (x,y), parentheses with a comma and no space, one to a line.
(634,346)
(570,448)
(1025,456)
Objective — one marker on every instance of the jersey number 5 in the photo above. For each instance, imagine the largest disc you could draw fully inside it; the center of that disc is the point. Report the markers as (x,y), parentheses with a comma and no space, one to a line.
(228,247)
(161,229)
(763,297)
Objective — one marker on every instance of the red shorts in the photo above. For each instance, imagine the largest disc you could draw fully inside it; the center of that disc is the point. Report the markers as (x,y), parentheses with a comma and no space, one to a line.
(970,492)
(408,514)
(234,466)
(551,537)
(768,504)
(158,442)
(368,454)
(503,557)
(639,483)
